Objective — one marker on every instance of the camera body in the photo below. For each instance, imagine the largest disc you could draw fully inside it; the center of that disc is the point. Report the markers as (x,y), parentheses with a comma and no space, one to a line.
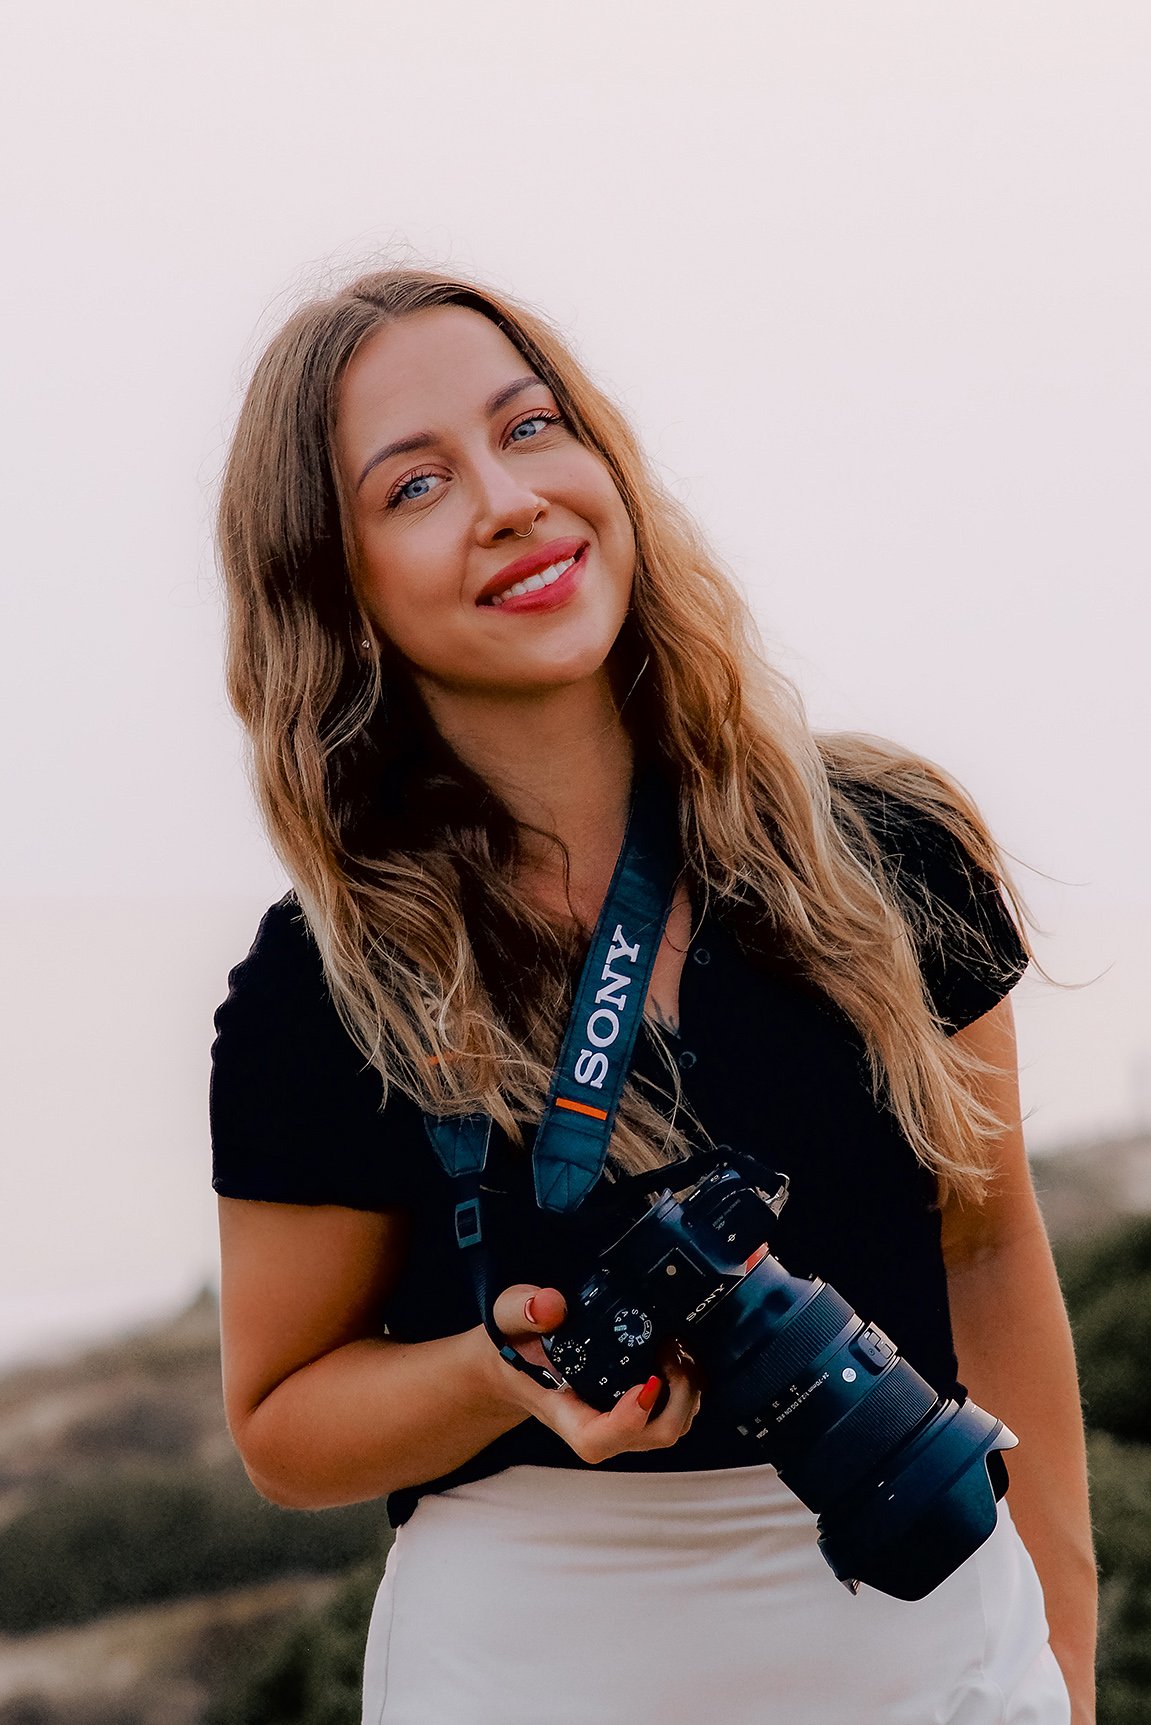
(660,1280)
(904,1482)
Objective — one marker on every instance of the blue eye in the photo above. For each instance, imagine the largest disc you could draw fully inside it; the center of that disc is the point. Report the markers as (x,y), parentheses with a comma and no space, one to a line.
(411,490)
(532,427)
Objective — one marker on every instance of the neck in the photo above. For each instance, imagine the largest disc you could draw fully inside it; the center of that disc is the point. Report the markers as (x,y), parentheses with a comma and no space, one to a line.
(562,764)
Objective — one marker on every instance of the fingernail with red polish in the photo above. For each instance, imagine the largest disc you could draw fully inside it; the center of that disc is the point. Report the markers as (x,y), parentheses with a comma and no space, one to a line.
(647,1396)
(529,1310)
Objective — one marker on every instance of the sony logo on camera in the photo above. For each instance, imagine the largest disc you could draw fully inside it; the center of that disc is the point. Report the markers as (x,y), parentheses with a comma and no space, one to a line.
(706,1303)
(602,1027)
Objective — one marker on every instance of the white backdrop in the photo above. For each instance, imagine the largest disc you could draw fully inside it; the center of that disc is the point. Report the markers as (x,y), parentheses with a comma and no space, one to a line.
(872,281)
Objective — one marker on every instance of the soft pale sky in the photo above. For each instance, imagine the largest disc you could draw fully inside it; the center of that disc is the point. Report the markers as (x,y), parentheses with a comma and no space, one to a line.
(872,282)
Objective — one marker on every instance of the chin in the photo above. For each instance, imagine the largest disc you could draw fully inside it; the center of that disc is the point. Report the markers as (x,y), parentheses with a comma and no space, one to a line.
(567,669)
(557,662)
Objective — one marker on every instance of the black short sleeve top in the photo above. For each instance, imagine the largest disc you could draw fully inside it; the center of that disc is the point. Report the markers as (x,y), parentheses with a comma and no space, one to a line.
(767,1063)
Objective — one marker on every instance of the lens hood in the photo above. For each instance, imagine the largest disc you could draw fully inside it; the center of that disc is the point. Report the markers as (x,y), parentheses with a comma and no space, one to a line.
(910,1531)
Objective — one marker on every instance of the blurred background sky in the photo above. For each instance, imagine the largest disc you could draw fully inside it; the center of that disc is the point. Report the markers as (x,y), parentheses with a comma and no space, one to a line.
(871,280)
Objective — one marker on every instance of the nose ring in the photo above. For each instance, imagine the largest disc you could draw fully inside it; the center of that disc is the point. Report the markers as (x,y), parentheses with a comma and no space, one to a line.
(529,532)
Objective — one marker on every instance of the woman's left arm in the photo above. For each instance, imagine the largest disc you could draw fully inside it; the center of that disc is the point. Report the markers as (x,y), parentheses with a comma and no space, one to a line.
(1015,1354)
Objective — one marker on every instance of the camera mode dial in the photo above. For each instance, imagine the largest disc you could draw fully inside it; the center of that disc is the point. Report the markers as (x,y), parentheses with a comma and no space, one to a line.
(632,1326)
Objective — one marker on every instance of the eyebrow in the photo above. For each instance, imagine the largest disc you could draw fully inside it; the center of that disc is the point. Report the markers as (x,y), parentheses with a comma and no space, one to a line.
(425,439)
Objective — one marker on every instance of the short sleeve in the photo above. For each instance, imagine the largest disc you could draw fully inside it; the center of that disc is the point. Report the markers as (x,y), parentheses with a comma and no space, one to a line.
(295,1113)
(970,950)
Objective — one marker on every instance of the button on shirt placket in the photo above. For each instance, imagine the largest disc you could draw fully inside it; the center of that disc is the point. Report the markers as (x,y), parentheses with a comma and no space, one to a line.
(687,1057)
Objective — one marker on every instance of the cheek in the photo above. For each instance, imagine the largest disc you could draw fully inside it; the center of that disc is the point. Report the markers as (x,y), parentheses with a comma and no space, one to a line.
(621,535)
(397,611)
(603,504)
(401,573)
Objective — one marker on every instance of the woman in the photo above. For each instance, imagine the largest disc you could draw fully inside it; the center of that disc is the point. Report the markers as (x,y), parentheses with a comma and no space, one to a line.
(463,616)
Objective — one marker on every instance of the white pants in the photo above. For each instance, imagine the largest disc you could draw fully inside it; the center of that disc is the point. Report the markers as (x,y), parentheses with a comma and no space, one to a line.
(549,1596)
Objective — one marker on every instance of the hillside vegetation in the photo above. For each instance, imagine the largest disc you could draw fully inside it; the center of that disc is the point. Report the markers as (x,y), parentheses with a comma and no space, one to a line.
(143,1582)
(1107,1283)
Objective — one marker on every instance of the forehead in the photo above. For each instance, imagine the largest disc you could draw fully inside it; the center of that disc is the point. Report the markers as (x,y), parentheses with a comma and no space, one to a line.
(423,373)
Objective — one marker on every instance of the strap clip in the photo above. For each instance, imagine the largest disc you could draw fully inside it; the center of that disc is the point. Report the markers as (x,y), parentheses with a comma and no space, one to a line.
(468,1231)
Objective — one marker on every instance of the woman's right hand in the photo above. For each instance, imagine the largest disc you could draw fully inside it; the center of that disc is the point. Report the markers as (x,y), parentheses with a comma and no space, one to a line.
(523,1314)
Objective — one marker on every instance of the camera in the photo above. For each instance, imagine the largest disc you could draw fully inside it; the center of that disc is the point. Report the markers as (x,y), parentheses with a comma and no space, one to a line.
(904,1482)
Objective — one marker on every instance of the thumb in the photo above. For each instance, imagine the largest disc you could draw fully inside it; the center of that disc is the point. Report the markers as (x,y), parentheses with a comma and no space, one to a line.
(527,1310)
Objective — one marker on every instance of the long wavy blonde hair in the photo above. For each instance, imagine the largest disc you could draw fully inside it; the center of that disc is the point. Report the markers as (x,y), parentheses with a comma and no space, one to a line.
(403,861)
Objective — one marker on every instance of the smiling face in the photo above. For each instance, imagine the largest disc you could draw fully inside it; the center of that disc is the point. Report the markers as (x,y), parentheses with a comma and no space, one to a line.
(450,450)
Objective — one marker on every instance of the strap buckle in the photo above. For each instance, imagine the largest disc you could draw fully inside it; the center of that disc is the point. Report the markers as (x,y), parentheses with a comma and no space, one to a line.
(468,1230)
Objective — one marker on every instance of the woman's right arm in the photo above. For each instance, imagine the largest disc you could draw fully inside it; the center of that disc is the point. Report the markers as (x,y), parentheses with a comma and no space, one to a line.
(325,1410)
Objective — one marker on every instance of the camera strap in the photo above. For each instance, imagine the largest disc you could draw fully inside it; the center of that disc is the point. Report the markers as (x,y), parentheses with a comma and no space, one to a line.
(571,1142)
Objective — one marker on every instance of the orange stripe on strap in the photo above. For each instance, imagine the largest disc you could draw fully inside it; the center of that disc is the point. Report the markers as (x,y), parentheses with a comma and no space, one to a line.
(581,1108)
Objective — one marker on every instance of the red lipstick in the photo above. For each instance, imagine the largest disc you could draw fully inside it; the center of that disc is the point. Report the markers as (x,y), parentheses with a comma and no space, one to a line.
(536,562)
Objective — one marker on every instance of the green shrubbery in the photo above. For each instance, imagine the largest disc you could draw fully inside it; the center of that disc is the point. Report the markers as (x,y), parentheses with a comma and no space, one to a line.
(138,1534)
(39,1710)
(311,1672)
(1108,1287)
(1121,1495)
